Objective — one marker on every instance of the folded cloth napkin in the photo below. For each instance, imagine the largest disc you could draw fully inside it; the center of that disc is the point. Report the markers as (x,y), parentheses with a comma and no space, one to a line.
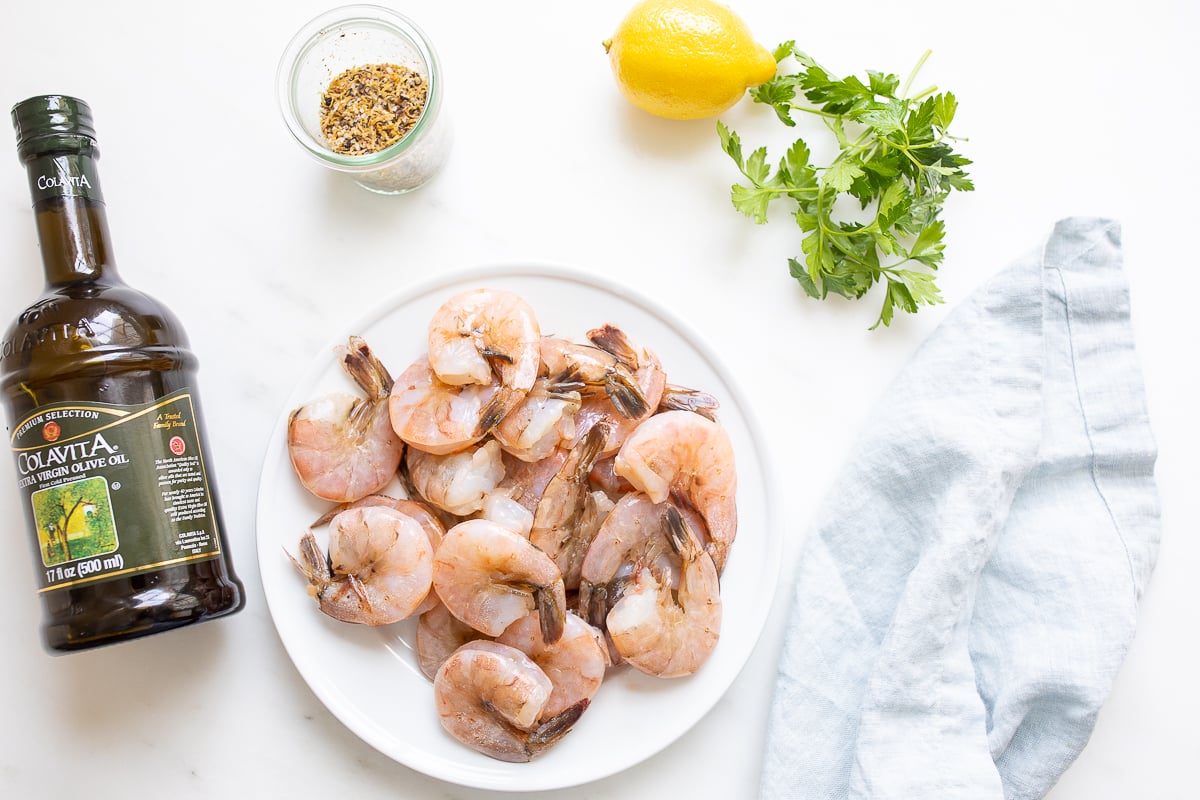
(971,584)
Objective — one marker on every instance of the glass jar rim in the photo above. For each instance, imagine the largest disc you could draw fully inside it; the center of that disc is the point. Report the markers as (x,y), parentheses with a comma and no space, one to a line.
(309,35)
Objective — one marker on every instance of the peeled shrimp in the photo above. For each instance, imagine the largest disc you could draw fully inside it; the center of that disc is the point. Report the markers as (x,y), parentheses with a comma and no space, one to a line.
(605,478)
(688,453)
(591,370)
(379,568)
(665,632)
(479,333)
(491,698)
(421,513)
(559,527)
(489,576)
(648,374)
(439,634)
(632,537)
(575,664)
(541,422)
(437,417)
(343,447)
(526,481)
(417,510)
(456,482)
(499,507)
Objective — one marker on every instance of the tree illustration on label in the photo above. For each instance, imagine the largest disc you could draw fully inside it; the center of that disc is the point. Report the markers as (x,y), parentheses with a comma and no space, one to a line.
(74,520)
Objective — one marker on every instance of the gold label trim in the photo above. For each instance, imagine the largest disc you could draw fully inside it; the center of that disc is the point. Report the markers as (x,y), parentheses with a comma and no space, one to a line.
(122,417)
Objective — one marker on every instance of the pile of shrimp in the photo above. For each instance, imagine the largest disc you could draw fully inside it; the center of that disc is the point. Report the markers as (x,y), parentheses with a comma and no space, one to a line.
(561,511)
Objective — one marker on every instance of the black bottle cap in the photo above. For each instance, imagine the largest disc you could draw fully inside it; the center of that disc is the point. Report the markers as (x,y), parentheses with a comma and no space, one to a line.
(53,122)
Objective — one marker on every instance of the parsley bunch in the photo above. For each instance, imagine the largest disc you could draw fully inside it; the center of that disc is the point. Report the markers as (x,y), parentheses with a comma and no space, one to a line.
(895,155)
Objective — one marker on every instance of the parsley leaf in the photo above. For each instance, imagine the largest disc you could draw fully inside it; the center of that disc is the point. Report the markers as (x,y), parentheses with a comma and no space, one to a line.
(896,159)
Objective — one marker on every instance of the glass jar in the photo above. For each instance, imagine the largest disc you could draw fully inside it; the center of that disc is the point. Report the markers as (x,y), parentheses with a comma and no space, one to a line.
(359,36)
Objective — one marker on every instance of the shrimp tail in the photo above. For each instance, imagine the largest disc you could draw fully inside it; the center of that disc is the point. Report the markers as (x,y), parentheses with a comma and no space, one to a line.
(716,547)
(681,398)
(682,540)
(569,380)
(551,616)
(586,597)
(313,564)
(549,732)
(497,409)
(625,394)
(493,356)
(567,390)
(589,451)
(593,604)
(615,342)
(360,591)
(366,369)
(560,507)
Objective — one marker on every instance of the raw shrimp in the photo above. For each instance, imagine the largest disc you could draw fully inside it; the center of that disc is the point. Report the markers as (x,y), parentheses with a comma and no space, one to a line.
(489,576)
(689,453)
(590,370)
(343,447)
(491,697)
(423,514)
(664,632)
(599,409)
(559,527)
(631,538)
(604,477)
(417,510)
(575,664)
(479,333)
(499,507)
(379,568)
(542,421)
(439,634)
(439,418)
(526,481)
(456,482)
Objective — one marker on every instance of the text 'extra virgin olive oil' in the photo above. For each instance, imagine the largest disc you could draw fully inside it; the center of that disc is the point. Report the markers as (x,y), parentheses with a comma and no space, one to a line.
(113,466)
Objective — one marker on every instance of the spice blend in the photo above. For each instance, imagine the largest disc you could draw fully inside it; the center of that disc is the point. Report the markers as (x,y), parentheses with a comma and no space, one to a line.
(371,107)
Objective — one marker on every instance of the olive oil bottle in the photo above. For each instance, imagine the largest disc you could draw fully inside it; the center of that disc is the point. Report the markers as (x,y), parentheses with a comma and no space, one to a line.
(113,465)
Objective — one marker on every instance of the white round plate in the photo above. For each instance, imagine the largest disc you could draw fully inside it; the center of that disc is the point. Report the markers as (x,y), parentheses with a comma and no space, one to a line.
(368,677)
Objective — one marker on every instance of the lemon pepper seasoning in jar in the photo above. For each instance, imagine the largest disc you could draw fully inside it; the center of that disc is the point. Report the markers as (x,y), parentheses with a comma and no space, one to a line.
(389,56)
(367,109)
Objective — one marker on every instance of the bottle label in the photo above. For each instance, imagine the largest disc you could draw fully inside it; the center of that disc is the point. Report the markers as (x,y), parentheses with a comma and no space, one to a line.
(64,175)
(115,490)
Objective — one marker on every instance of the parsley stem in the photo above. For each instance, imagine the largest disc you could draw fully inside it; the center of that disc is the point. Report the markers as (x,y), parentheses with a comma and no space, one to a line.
(814,111)
(848,254)
(912,76)
(791,190)
(928,90)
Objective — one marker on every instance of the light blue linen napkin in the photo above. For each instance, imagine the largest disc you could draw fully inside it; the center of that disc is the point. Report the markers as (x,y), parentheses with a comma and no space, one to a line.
(971,584)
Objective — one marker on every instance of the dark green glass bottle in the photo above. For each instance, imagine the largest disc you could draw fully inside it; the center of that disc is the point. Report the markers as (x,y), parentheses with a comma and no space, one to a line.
(113,465)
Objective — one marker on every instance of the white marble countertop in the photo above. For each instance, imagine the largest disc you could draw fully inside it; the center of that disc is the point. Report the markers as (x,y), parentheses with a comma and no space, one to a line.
(263,255)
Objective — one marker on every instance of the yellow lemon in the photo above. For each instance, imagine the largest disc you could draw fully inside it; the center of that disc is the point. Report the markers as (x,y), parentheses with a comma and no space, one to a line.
(686,59)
